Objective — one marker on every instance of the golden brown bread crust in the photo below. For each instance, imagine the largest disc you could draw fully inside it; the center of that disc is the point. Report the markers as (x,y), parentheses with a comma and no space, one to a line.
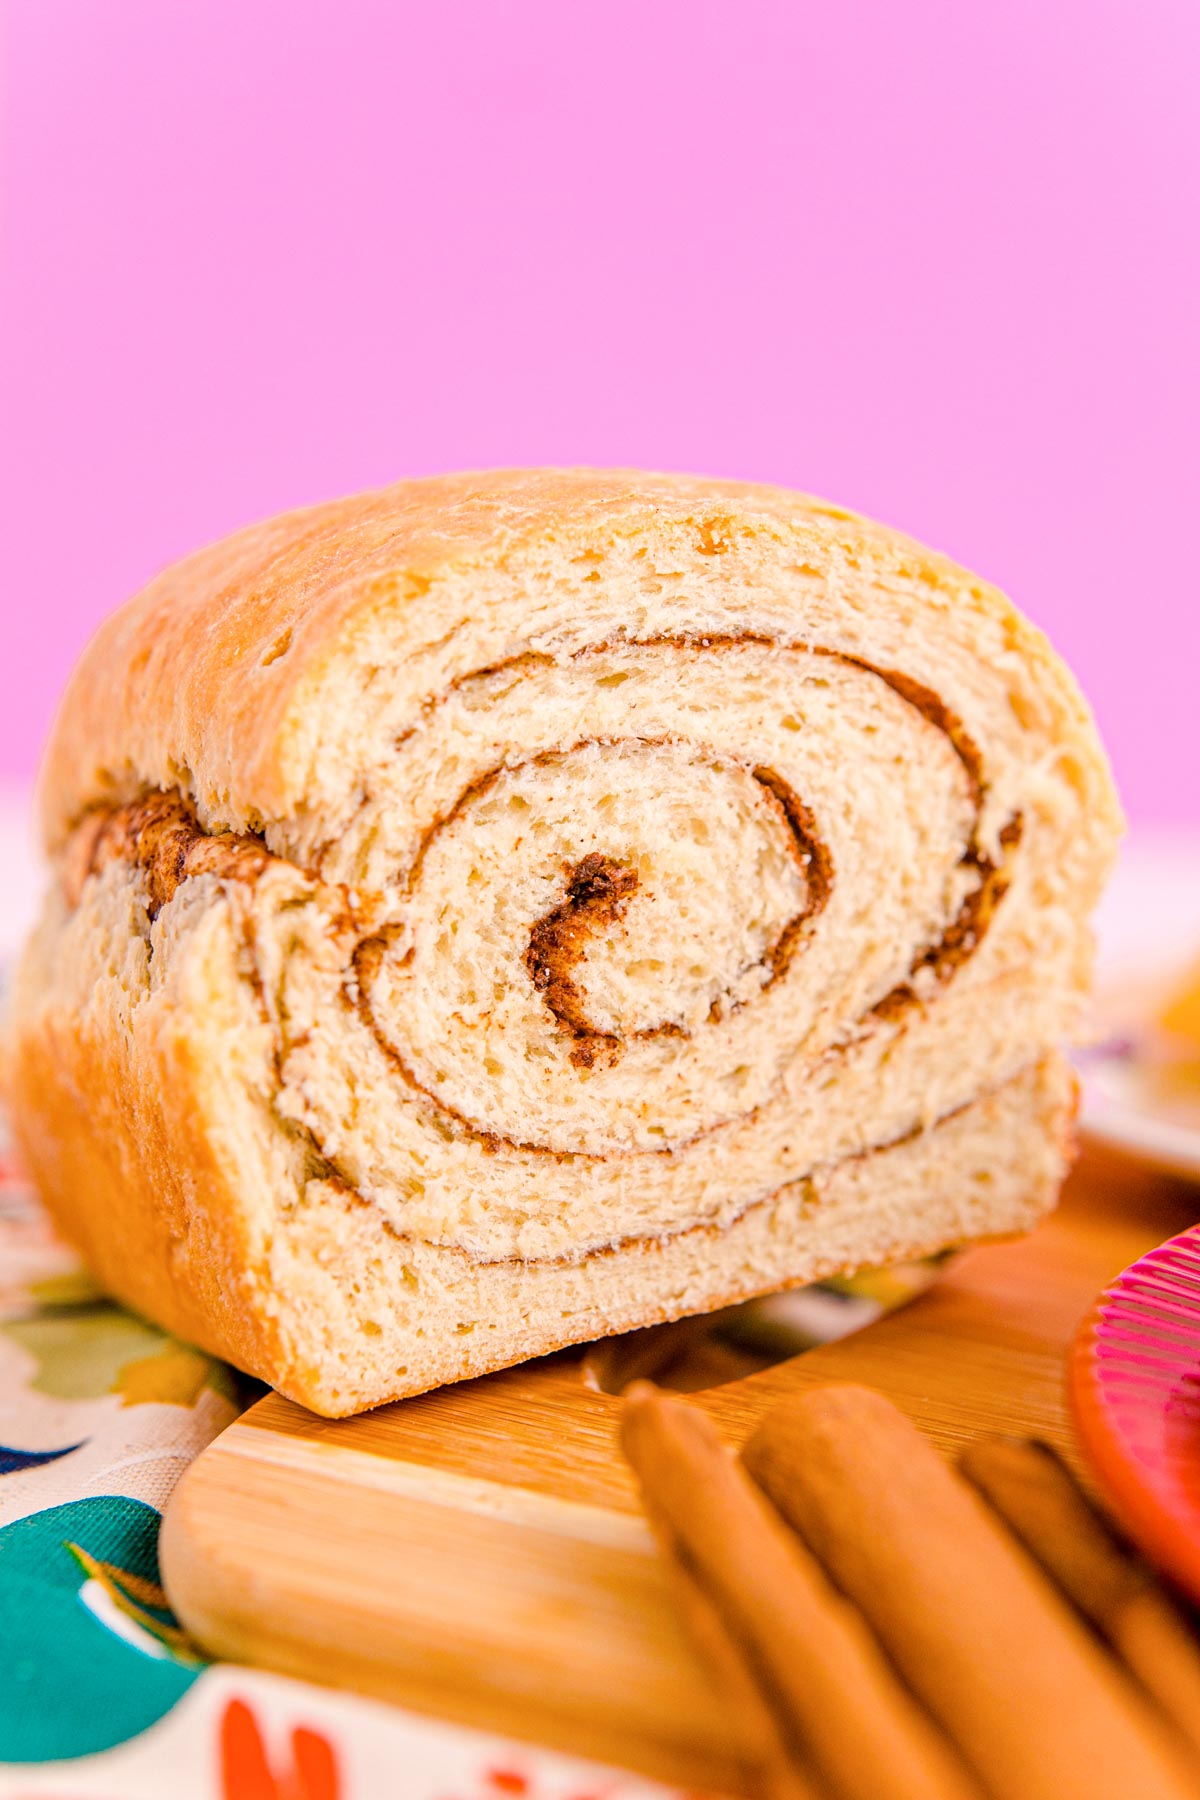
(126,1191)
(198,682)
(201,683)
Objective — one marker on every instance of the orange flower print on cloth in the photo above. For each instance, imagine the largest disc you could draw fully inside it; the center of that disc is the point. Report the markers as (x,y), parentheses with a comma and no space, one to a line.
(308,1771)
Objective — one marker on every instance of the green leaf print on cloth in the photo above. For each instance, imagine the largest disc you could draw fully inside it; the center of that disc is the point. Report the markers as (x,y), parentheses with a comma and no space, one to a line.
(85,1350)
(89,1655)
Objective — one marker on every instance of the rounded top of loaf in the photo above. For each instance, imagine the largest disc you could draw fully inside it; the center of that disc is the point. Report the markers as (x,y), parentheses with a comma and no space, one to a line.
(260,676)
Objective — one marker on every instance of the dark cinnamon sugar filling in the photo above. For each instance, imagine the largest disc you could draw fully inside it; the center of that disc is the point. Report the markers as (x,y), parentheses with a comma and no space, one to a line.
(161,835)
(598,891)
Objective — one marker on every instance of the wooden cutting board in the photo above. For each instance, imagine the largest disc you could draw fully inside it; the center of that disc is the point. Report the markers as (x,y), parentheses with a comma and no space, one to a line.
(479,1552)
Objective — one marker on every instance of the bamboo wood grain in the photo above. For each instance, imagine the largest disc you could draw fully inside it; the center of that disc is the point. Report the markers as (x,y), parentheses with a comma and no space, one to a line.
(479,1553)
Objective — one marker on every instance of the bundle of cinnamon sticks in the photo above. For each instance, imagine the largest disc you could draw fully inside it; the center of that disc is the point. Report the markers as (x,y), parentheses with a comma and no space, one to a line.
(885,1627)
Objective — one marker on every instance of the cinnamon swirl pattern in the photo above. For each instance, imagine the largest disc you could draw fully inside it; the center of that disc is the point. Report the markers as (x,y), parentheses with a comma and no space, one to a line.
(679,892)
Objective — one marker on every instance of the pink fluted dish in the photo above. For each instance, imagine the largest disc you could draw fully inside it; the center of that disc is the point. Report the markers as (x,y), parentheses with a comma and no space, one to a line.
(1134,1384)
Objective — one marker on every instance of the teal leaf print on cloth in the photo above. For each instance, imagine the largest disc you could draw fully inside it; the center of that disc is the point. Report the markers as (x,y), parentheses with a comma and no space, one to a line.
(89,1655)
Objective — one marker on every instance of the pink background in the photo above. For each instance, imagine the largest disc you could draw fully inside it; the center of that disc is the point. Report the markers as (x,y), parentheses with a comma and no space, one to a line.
(939,259)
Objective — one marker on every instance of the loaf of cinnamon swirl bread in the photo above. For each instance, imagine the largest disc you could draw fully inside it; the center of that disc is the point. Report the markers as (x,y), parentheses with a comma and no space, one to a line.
(511,908)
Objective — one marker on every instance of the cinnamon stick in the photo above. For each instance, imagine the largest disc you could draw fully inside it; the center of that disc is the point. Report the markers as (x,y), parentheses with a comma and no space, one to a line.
(1034,1491)
(770,1769)
(1034,1703)
(835,1702)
